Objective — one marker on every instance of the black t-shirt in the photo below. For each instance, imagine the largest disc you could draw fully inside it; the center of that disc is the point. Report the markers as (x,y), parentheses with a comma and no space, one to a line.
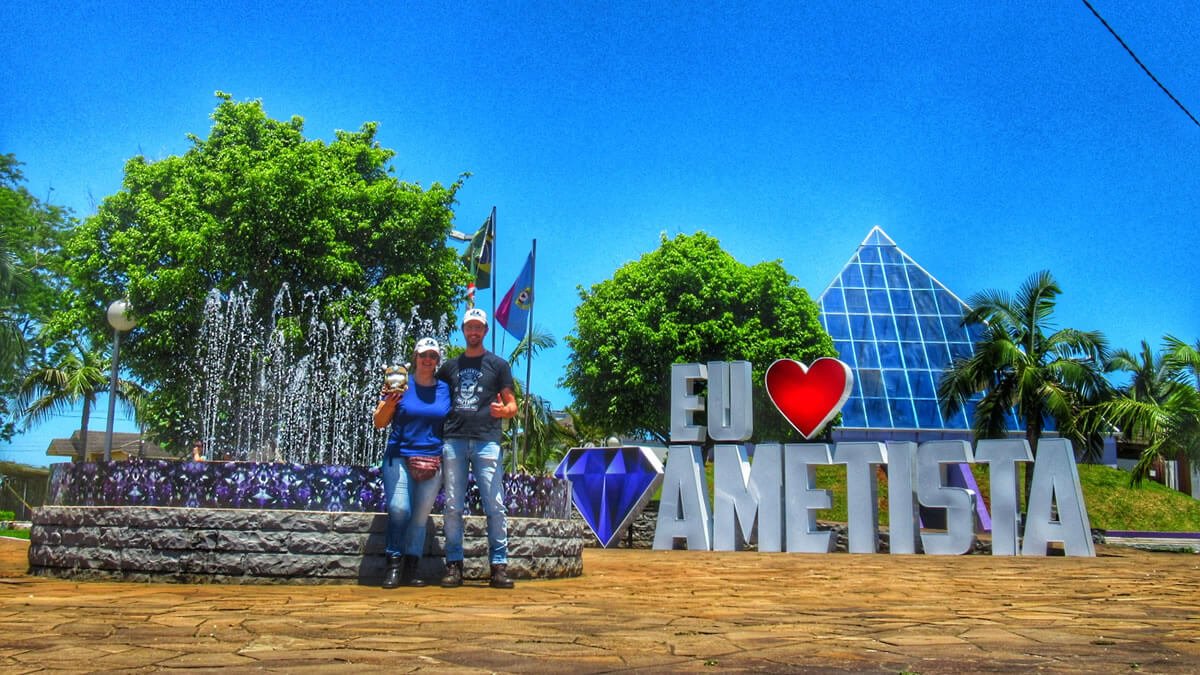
(474,382)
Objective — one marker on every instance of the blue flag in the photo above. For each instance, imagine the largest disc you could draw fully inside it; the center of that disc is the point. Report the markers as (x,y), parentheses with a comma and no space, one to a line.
(513,311)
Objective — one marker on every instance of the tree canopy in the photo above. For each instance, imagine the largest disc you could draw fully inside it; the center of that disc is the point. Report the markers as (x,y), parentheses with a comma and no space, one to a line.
(257,204)
(31,236)
(687,302)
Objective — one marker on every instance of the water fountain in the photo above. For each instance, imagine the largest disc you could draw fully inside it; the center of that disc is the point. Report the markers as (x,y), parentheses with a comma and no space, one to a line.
(291,489)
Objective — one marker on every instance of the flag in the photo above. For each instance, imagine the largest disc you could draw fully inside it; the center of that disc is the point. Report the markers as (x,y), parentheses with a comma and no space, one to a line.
(478,257)
(513,312)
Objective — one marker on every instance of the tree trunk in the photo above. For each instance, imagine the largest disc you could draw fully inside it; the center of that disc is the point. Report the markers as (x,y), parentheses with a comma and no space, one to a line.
(83,430)
(1031,436)
(1184,469)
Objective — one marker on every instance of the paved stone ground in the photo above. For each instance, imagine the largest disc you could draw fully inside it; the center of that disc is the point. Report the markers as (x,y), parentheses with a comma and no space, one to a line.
(637,610)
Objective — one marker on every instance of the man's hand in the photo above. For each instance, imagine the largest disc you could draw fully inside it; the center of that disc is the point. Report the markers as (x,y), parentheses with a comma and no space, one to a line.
(505,406)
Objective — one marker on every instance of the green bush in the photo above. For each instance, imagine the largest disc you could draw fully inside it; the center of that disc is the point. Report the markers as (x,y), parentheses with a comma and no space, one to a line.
(7,515)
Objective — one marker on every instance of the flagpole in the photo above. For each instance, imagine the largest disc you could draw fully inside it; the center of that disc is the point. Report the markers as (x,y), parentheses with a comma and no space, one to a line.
(529,344)
(495,262)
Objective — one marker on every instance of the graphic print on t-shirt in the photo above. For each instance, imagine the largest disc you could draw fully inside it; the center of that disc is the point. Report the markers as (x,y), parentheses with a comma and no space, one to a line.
(469,391)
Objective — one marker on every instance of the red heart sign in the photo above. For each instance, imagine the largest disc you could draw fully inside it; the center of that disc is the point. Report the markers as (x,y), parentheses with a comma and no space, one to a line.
(808,397)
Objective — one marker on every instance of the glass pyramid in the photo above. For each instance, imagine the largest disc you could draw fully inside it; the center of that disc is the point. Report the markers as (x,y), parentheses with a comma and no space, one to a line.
(898,328)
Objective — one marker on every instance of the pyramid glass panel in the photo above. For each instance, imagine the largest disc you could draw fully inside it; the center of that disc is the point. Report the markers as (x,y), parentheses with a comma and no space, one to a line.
(898,328)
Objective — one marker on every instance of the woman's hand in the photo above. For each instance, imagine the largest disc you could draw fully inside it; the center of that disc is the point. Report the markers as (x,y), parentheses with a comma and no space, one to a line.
(387,407)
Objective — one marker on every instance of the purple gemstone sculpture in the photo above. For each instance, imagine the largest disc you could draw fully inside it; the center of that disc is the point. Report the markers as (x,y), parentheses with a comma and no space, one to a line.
(610,486)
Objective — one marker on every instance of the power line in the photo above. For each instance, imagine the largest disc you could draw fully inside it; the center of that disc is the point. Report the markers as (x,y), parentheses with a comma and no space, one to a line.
(1143,66)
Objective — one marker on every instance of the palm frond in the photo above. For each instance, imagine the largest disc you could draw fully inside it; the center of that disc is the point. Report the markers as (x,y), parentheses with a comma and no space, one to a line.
(539,338)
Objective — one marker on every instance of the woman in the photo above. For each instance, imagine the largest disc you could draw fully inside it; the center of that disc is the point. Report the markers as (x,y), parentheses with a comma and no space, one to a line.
(412,473)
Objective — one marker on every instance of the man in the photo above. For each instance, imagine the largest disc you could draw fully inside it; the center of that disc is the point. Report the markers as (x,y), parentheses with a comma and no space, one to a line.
(481,391)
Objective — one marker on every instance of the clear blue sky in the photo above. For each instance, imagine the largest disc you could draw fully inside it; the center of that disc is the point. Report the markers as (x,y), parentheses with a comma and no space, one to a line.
(990,140)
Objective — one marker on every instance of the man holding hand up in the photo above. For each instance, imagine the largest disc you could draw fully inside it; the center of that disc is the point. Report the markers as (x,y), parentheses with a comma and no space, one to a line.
(481,393)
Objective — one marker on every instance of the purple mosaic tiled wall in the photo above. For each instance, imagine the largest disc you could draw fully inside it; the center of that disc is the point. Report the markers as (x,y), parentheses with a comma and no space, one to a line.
(263,485)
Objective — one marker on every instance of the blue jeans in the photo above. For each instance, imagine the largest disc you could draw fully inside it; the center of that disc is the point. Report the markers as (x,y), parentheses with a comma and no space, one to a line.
(408,505)
(484,458)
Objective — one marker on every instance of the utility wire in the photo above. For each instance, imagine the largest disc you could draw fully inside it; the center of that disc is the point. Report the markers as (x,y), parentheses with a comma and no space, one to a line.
(1143,66)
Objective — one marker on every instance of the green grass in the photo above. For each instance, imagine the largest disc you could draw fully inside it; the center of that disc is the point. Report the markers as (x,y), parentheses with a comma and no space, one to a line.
(1112,504)
(19,534)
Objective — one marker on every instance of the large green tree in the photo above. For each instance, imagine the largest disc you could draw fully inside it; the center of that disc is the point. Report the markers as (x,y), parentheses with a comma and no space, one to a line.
(257,204)
(687,302)
(33,232)
(31,235)
(12,341)
(1023,363)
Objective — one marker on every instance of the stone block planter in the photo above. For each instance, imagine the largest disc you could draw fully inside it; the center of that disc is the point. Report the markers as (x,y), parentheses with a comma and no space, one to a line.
(197,545)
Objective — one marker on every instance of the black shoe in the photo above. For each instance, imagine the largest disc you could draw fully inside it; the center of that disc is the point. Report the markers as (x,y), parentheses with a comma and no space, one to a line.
(408,571)
(500,577)
(453,578)
(392,578)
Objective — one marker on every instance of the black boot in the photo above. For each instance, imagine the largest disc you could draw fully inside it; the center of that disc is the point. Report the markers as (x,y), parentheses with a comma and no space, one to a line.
(392,578)
(500,577)
(453,578)
(408,571)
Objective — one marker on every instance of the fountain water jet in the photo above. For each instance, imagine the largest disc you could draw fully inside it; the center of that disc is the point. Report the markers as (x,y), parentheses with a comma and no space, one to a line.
(295,385)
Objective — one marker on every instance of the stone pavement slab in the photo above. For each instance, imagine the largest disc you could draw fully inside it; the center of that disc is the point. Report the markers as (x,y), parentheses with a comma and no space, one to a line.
(637,610)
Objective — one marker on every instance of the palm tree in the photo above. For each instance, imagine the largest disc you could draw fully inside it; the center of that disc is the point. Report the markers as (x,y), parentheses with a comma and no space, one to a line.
(1159,410)
(537,339)
(1021,364)
(539,432)
(71,376)
(581,433)
(1183,356)
(1151,373)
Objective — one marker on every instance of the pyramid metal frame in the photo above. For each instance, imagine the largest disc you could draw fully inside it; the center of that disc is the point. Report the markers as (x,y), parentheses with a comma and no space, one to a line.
(898,328)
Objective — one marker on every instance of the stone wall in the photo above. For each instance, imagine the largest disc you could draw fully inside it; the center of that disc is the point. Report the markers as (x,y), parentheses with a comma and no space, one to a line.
(272,546)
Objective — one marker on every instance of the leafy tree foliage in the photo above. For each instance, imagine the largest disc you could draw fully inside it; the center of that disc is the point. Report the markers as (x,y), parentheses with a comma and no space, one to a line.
(33,233)
(687,302)
(257,204)
(31,236)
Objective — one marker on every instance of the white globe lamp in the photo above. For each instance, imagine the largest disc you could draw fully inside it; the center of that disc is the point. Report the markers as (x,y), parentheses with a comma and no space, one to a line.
(121,321)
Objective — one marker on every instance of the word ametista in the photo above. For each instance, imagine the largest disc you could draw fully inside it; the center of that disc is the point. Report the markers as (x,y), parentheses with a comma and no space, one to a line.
(777,494)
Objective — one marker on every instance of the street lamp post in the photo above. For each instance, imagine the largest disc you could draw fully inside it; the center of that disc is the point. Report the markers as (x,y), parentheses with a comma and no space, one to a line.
(121,321)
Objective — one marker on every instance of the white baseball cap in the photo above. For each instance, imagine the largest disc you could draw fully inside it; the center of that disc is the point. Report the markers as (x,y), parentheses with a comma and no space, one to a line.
(475,314)
(427,344)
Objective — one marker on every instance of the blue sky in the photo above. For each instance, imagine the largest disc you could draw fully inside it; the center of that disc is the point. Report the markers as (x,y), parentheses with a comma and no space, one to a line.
(989,140)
